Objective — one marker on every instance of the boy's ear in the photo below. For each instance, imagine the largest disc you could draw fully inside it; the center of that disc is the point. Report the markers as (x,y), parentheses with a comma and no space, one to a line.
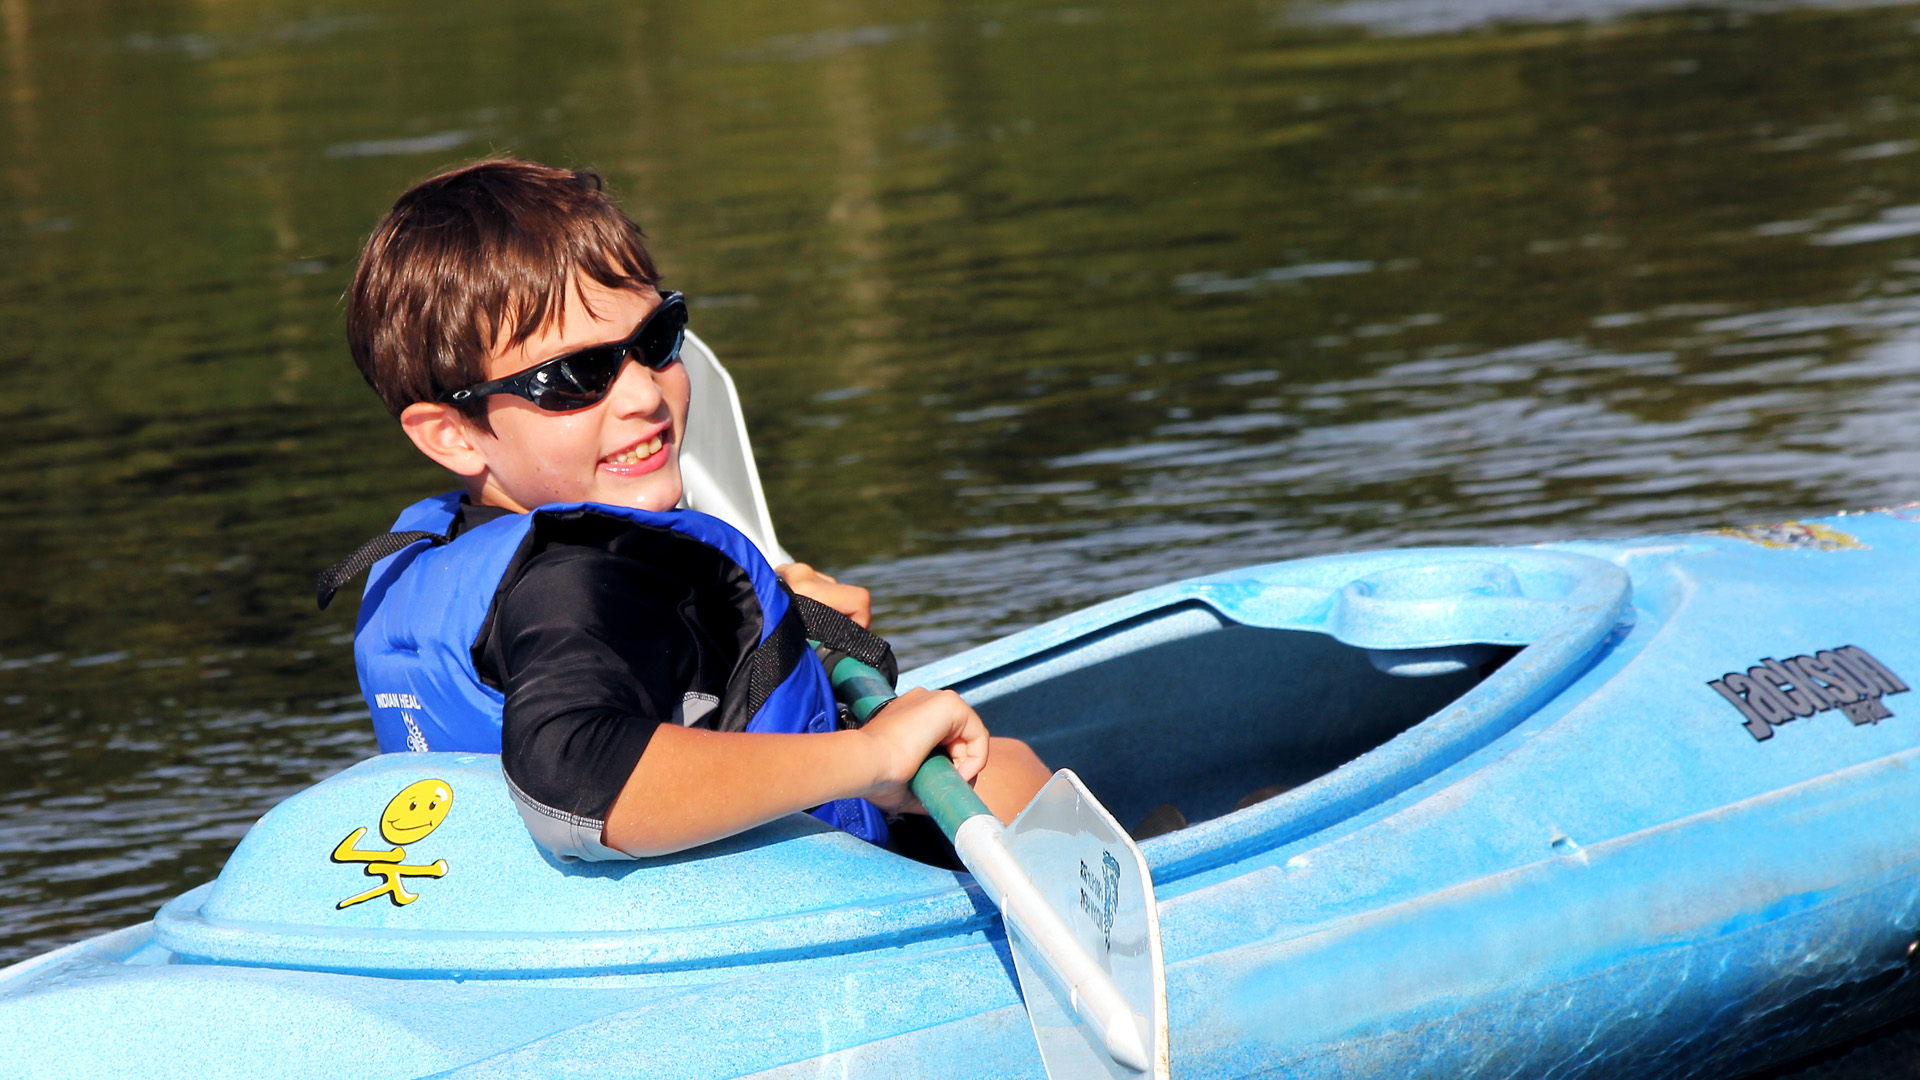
(444,434)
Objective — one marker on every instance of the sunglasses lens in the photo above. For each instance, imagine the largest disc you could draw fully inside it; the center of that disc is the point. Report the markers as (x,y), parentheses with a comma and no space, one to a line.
(577,381)
(581,379)
(659,344)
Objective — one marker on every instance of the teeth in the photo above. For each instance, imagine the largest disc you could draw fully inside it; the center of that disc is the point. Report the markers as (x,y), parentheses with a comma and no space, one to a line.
(639,453)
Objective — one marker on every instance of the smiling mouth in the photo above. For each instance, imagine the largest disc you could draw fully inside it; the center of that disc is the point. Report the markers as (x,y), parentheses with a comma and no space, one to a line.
(407,828)
(636,454)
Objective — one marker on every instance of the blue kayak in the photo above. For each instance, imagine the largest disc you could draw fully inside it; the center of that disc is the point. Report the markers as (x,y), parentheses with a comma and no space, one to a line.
(1646,808)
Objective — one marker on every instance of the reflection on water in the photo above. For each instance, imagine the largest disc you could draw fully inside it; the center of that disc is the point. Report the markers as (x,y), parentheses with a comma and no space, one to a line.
(1454,16)
(1030,305)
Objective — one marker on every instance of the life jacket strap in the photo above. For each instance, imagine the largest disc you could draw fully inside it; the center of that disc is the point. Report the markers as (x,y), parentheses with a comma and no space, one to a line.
(331,580)
(844,637)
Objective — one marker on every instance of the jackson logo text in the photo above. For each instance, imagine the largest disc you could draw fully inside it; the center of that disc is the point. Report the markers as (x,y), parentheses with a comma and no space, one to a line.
(1774,692)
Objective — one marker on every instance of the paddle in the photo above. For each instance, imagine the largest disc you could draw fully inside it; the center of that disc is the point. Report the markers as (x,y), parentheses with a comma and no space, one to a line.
(1071,884)
(1074,910)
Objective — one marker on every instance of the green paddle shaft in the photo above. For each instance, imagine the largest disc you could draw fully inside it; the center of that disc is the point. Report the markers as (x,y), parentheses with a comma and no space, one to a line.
(937,785)
(947,797)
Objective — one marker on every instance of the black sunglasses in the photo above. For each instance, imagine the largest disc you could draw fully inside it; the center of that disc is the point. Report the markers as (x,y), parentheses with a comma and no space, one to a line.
(579,379)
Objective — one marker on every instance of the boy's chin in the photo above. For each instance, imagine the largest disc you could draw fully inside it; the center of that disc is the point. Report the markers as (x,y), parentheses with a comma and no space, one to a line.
(662,490)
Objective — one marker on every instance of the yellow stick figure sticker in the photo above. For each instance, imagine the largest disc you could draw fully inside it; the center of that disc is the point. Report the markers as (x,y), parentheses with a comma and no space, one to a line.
(416,811)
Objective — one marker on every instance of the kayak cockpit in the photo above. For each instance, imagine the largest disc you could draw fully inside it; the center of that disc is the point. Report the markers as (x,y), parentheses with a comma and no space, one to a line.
(1207,715)
(1272,702)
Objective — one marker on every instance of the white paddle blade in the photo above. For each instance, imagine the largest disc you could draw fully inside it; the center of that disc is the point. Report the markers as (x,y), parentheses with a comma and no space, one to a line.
(716,460)
(1092,873)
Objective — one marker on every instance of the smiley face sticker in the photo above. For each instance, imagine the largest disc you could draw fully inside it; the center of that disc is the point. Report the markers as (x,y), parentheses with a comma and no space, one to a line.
(416,811)
(410,816)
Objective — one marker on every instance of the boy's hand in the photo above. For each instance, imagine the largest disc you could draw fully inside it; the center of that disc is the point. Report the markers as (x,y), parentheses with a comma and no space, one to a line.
(850,600)
(910,728)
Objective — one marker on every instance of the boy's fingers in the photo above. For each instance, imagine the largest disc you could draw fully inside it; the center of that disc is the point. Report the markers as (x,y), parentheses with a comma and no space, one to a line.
(795,572)
(980,756)
(968,743)
(850,600)
(944,720)
(969,766)
(862,603)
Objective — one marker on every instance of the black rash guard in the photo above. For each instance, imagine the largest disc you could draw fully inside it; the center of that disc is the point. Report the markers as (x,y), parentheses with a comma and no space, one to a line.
(594,648)
(602,636)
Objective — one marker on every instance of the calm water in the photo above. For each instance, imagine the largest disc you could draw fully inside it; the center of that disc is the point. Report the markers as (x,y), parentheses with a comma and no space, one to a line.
(1030,305)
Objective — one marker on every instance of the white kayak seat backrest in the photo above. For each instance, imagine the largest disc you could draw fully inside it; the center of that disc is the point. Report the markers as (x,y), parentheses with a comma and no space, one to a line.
(716,460)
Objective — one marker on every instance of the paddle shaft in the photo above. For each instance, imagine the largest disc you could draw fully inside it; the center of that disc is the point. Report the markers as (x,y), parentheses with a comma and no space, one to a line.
(937,785)
(975,833)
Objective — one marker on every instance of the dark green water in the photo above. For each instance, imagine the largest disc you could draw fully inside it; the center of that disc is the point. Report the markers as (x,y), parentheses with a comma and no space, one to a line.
(1030,306)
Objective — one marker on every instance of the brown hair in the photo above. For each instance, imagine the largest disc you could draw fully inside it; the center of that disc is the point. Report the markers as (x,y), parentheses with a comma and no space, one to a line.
(465,256)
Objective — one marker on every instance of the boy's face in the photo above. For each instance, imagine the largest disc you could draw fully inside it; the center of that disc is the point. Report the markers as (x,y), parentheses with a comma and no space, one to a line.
(624,451)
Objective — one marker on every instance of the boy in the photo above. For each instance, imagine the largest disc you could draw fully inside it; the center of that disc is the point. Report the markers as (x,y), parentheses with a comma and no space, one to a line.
(641,670)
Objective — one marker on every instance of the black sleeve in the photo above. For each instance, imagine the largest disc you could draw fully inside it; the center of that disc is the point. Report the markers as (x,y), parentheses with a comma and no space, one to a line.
(586,645)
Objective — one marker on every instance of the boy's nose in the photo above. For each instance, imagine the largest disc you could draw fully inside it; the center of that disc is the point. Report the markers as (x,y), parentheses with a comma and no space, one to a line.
(634,392)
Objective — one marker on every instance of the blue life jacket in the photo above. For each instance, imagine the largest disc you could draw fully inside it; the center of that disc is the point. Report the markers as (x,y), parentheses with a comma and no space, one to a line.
(426,605)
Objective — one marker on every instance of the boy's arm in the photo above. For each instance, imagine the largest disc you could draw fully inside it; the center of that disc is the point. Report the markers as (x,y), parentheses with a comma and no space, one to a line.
(693,786)
(590,651)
